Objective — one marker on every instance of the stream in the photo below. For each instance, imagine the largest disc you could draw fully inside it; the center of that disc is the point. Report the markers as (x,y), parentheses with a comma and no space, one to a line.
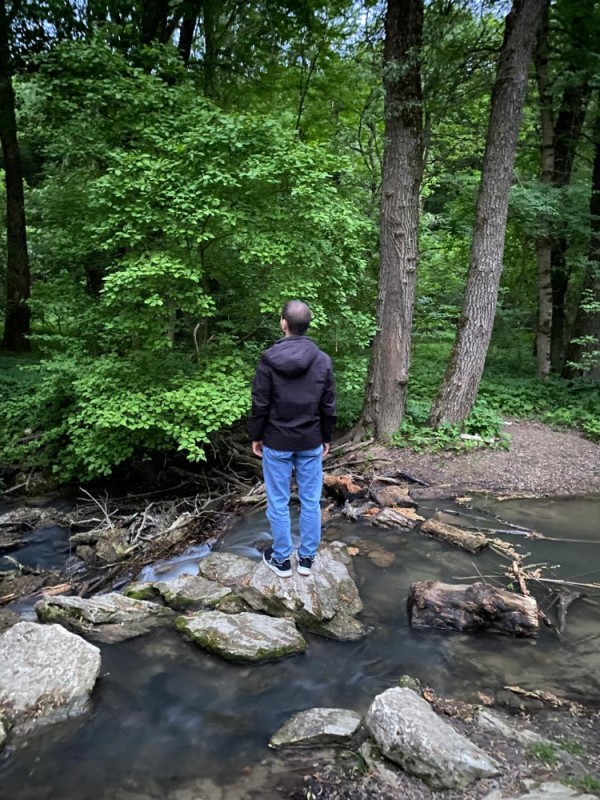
(165,713)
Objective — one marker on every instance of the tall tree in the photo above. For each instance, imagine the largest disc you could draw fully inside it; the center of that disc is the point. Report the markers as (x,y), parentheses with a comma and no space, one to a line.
(402,172)
(544,241)
(17,318)
(460,384)
(583,352)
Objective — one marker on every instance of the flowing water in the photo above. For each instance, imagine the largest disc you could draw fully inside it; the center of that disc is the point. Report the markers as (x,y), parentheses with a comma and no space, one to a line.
(165,713)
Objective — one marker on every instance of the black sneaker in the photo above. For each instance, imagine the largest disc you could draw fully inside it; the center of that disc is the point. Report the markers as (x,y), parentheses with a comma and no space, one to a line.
(283,569)
(304,565)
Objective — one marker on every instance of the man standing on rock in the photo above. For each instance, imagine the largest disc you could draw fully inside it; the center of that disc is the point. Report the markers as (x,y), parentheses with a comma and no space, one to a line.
(291,426)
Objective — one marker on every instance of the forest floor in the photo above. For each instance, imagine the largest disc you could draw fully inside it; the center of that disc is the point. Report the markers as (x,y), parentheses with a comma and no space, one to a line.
(540,461)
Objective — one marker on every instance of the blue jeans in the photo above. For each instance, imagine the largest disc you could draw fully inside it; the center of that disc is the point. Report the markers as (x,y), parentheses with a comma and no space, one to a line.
(277,471)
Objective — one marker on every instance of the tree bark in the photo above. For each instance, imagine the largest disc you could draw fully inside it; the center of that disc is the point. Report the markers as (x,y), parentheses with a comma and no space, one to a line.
(459,387)
(544,242)
(186,34)
(587,322)
(567,133)
(473,607)
(155,14)
(17,319)
(402,171)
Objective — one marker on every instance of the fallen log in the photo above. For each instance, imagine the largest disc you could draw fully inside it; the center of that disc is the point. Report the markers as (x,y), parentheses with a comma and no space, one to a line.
(342,487)
(472,542)
(471,607)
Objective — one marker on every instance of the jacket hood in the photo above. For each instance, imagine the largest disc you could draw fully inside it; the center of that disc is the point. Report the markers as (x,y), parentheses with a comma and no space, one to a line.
(292,356)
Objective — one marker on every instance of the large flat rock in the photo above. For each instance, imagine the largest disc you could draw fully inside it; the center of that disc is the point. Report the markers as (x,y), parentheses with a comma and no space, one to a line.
(317,726)
(245,637)
(409,733)
(46,674)
(191,592)
(108,617)
(324,602)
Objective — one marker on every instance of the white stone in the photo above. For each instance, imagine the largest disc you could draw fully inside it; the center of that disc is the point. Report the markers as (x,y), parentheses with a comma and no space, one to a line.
(317,726)
(46,674)
(409,733)
(244,637)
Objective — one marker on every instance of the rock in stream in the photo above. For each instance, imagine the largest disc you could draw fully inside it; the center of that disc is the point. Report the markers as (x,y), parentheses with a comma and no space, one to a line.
(46,675)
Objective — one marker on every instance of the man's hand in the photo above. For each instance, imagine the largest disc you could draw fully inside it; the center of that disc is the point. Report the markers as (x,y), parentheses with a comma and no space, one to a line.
(257,449)
(325,449)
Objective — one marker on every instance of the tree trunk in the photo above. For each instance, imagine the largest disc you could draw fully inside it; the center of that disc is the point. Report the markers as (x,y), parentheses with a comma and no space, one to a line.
(402,171)
(210,48)
(587,321)
(460,384)
(155,27)
(17,320)
(473,607)
(544,243)
(567,132)
(186,35)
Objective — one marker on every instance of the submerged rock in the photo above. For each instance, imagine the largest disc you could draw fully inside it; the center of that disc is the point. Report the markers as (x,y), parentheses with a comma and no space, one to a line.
(108,617)
(318,726)
(409,733)
(46,674)
(242,637)
(191,592)
(324,602)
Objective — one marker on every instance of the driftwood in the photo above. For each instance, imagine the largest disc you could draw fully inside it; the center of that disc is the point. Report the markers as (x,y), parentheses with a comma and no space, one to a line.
(472,542)
(342,487)
(473,607)
(396,517)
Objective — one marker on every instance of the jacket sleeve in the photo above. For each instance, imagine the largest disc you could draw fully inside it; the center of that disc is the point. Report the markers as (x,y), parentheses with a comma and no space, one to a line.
(327,407)
(261,402)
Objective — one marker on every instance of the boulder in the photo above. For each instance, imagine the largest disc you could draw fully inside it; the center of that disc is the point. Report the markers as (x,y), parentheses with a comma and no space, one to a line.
(2,734)
(191,592)
(227,569)
(244,637)
(317,726)
(107,618)
(323,602)
(409,733)
(46,674)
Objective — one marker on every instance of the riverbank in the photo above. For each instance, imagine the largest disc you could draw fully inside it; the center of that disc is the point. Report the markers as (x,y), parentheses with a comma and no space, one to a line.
(540,462)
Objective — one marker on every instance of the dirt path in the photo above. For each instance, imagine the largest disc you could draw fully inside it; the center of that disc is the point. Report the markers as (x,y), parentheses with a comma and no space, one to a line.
(541,461)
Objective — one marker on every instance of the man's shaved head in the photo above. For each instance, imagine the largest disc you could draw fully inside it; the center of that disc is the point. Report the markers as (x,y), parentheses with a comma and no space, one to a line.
(297,315)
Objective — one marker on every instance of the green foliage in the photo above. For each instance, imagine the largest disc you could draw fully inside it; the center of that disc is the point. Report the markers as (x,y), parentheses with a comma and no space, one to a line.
(574,748)
(166,235)
(587,783)
(544,752)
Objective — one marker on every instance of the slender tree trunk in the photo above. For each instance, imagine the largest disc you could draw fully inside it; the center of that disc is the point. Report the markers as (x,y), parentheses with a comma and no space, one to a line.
(186,34)
(567,133)
(402,171)
(17,320)
(460,384)
(587,321)
(210,47)
(544,242)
